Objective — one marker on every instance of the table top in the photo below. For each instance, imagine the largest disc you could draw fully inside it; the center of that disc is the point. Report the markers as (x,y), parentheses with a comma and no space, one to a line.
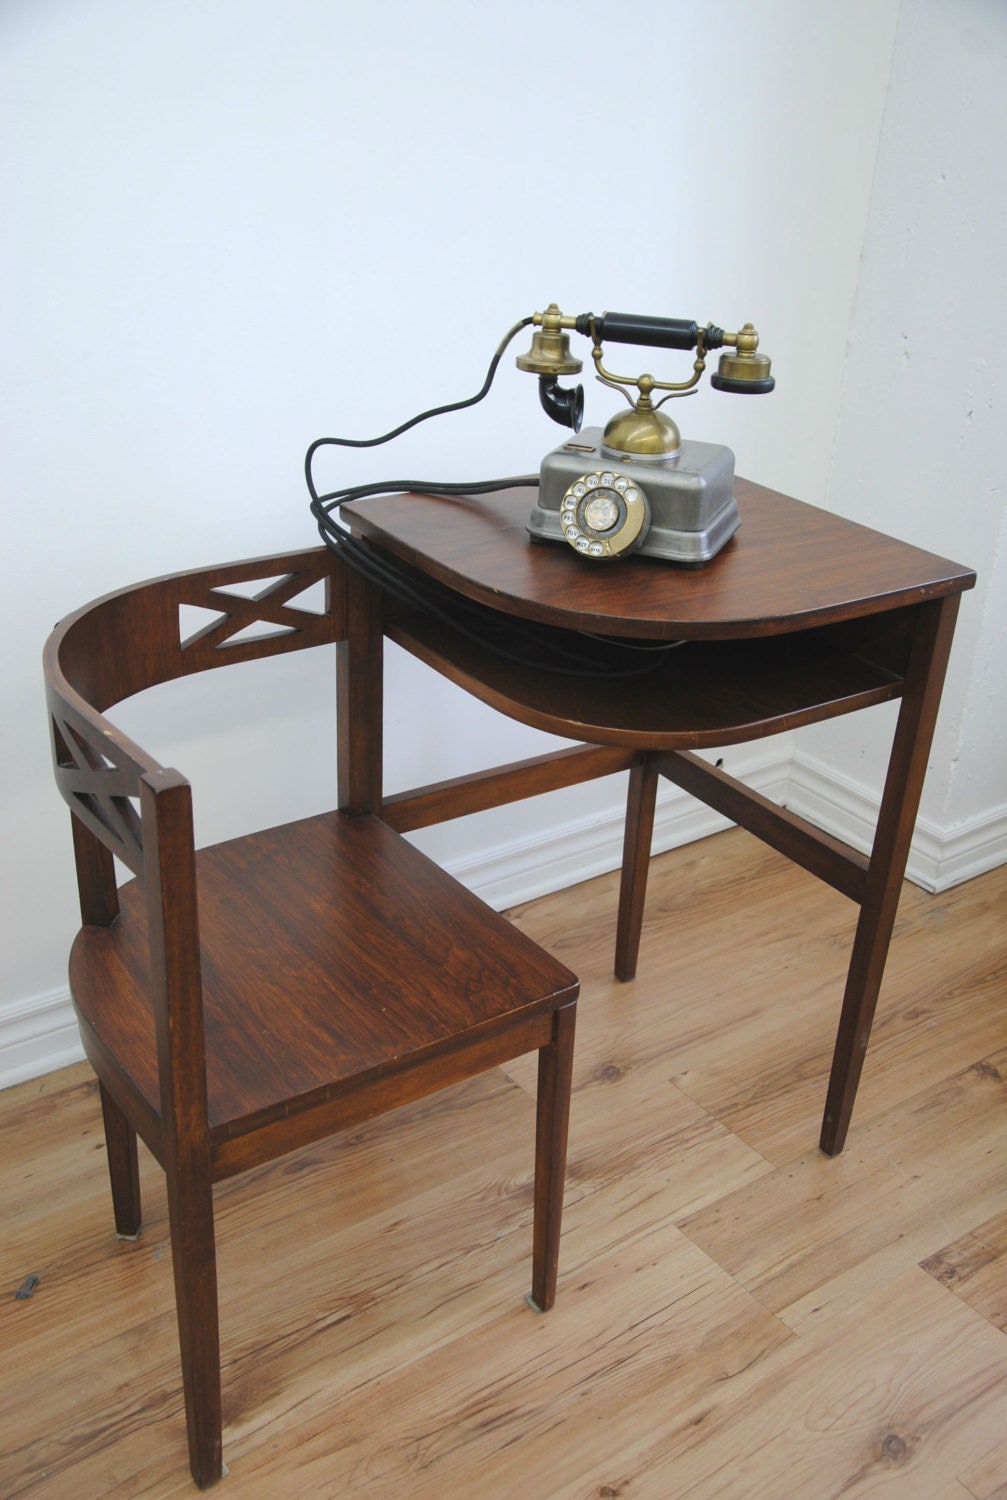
(789,567)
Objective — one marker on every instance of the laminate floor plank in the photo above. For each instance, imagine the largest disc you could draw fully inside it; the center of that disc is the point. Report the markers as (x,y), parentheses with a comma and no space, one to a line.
(742,967)
(652,1320)
(819,1232)
(46,1172)
(987,1478)
(975,1269)
(940,1010)
(893,1397)
(736,1315)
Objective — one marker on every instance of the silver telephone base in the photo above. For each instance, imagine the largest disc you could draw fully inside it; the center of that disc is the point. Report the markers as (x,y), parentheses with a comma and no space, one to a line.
(692,509)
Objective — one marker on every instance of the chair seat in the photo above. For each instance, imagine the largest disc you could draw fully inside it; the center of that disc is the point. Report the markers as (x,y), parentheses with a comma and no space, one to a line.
(331,949)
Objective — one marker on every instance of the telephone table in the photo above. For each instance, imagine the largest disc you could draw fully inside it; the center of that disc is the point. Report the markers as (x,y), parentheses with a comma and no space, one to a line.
(802,617)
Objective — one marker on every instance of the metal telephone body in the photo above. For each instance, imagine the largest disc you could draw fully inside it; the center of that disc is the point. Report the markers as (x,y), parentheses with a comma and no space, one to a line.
(679,507)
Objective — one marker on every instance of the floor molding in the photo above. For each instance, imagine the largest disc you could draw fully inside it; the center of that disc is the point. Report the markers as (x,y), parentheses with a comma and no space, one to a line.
(37,1036)
(939,858)
(509,874)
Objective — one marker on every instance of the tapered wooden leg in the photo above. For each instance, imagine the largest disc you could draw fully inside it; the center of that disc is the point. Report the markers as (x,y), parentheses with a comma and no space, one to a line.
(635,865)
(176,988)
(359,706)
(555,1071)
(899,804)
(194,1263)
(123,1169)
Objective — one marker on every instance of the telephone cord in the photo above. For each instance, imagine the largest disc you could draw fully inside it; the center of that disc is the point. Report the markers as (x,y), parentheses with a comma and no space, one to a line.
(545,648)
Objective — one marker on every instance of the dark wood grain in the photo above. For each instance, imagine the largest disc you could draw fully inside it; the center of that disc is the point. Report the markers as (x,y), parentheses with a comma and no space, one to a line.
(265,992)
(639,829)
(360,686)
(907,769)
(130,640)
(388,958)
(96,883)
(123,1167)
(174,993)
(461,795)
(803,616)
(790,566)
(704,694)
(843,868)
(555,1070)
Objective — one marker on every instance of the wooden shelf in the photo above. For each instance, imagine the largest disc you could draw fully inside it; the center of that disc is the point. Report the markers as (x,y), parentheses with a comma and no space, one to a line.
(704,693)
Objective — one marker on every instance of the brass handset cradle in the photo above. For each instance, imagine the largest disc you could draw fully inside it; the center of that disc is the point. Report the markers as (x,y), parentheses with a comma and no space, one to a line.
(641,430)
(637,485)
(647,383)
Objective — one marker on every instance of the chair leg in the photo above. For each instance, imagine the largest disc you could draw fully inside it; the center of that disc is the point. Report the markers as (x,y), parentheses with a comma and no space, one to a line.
(194,1263)
(555,1069)
(635,865)
(123,1169)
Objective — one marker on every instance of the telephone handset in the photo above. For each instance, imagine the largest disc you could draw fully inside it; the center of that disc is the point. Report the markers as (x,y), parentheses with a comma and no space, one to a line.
(636,485)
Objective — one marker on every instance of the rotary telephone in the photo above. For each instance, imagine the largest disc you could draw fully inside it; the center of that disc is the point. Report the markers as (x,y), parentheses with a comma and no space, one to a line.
(635,486)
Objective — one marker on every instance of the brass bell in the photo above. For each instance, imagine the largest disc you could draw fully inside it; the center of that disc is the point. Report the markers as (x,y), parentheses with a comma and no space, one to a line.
(644,429)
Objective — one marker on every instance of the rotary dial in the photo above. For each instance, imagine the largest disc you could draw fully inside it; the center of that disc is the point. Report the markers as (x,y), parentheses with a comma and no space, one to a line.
(604,515)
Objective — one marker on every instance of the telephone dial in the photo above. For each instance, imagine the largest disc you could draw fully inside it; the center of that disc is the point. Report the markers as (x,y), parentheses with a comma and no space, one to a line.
(634,486)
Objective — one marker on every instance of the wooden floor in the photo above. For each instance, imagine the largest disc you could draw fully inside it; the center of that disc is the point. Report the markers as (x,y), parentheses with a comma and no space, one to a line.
(737,1316)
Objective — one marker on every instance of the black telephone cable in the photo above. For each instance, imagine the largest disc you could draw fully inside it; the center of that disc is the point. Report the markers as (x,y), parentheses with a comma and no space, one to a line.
(545,648)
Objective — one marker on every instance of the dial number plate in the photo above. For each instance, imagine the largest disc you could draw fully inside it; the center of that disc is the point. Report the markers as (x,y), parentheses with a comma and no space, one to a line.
(604,515)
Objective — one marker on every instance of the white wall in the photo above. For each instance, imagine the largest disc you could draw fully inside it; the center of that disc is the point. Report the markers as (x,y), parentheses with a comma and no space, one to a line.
(920,443)
(235,227)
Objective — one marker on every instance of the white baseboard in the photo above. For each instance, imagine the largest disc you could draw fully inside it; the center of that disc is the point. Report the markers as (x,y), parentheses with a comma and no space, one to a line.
(40,1034)
(565,854)
(971,848)
(939,858)
(37,1036)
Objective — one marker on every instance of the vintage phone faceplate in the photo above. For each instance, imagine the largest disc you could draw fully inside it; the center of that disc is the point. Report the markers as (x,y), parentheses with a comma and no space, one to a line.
(687,497)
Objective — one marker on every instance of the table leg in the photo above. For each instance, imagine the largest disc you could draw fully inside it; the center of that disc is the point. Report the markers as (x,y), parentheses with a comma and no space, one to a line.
(635,864)
(907,766)
(359,698)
